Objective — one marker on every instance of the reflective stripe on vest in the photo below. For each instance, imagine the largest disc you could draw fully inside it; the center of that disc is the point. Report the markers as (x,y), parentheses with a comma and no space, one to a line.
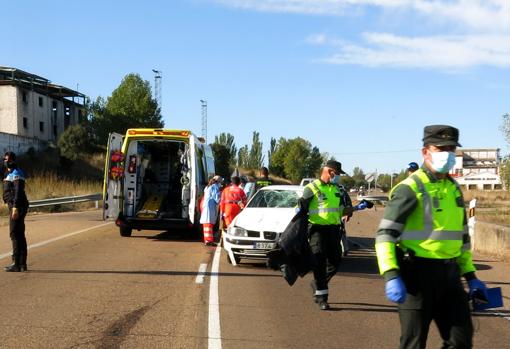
(428,233)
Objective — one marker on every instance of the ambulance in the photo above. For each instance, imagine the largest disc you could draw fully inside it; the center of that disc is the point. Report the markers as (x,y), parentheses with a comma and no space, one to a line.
(153,179)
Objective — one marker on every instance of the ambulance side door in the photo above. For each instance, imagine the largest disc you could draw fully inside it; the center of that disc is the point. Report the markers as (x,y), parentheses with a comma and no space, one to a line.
(113,177)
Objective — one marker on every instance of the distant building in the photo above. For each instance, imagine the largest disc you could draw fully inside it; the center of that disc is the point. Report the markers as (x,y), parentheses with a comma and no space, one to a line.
(33,108)
(478,169)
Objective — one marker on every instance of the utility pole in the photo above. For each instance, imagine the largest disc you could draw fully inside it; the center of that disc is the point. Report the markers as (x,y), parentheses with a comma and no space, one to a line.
(158,76)
(204,118)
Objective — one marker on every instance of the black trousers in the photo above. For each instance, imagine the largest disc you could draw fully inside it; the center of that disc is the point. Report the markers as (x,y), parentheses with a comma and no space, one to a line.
(325,245)
(434,292)
(17,234)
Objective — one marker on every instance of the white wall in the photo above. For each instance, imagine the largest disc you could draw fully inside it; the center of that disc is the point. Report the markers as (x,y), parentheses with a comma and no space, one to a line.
(8,109)
(13,109)
(19,144)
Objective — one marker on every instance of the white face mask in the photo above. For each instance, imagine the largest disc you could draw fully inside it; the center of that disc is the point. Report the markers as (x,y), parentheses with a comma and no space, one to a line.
(442,161)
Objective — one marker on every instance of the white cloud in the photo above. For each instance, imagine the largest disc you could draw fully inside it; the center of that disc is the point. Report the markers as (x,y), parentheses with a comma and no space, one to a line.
(481,31)
(439,52)
(486,15)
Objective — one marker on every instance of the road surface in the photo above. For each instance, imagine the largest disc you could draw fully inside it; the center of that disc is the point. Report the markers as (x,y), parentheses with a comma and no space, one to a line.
(89,288)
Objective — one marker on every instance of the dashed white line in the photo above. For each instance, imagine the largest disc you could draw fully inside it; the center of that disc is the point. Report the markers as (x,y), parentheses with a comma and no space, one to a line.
(201,273)
(42,243)
(214,332)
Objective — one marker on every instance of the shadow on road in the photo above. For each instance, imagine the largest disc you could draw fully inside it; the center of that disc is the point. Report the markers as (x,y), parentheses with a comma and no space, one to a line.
(174,235)
(363,307)
(492,313)
(148,272)
(482,266)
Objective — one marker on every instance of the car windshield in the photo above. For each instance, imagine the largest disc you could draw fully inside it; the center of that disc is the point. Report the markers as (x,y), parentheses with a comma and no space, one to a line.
(275,198)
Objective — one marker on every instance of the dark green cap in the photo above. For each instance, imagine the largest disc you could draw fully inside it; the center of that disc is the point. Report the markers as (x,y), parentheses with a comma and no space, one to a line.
(335,165)
(441,135)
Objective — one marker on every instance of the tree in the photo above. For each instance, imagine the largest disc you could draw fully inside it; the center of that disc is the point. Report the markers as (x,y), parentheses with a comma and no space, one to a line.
(295,162)
(270,152)
(504,171)
(73,142)
(277,166)
(221,159)
(295,159)
(359,177)
(505,127)
(243,156)
(255,158)
(227,140)
(504,167)
(314,162)
(130,106)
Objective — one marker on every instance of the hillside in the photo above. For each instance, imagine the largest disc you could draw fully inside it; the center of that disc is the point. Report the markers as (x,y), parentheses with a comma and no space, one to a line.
(49,177)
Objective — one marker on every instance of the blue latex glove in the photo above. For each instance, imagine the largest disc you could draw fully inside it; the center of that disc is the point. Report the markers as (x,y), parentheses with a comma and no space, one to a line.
(361,206)
(396,290)
(478,289)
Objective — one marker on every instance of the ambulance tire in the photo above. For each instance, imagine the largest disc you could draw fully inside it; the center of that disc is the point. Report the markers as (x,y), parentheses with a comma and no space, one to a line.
(125,231)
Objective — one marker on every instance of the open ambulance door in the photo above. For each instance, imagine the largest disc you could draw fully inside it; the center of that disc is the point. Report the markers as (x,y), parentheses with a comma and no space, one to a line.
(113,177)
(193,180)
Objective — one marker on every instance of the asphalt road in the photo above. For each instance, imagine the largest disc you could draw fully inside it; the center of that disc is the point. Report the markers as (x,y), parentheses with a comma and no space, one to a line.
(89,288)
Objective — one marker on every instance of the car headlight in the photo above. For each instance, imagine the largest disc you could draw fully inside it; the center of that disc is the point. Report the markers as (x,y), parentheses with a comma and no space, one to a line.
(236,231)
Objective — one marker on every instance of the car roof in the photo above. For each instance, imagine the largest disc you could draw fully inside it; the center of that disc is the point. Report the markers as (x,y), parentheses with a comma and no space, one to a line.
(283,187)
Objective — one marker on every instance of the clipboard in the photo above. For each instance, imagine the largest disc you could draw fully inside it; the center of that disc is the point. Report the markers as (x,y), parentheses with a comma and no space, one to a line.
(494,300)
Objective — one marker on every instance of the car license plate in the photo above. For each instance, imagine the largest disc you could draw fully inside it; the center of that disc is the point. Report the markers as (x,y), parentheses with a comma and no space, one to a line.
(264,245)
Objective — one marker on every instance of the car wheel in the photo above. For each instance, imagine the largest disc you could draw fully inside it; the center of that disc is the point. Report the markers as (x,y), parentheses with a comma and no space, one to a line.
(125,231)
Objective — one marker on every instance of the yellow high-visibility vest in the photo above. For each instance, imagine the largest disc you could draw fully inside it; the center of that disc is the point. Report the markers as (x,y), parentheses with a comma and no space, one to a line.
(435,229)
(325,207)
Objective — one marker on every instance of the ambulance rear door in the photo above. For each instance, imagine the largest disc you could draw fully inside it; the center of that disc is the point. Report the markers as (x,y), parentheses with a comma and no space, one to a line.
(113,177)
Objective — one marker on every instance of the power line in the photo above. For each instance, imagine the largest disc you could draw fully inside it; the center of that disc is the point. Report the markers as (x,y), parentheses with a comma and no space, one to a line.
(379,152)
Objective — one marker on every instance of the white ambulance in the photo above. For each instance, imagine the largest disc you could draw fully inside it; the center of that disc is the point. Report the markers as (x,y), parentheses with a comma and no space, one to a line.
(154,178)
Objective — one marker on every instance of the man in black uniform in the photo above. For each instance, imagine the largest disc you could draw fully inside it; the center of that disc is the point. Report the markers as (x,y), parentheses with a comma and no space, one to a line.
(263,180)
(15,198)
(323,203)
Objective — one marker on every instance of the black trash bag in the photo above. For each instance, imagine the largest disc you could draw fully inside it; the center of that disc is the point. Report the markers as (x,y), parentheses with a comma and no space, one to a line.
(293,257)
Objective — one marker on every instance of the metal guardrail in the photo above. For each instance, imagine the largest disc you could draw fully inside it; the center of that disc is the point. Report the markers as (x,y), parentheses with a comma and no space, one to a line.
(66,200)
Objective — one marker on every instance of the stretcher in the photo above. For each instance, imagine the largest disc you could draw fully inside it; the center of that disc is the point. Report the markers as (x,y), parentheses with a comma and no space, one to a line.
(151,207)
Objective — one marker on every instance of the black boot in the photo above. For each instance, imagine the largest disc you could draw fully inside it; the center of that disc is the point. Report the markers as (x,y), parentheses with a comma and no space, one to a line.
(323,303)
(23,262)
(12,264)
(14,267)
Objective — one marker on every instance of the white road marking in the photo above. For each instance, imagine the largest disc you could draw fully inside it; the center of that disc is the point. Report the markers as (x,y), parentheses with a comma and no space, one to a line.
(214,305)
(502,315)
(201,273)
(46,242)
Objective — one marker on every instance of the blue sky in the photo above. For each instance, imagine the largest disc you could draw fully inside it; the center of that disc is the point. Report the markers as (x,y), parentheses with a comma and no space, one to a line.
(359,79)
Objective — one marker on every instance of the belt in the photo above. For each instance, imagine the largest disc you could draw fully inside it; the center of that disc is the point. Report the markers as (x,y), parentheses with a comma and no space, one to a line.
(434,260)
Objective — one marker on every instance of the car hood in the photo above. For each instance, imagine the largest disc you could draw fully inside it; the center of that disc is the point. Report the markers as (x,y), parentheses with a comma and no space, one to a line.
(265,219)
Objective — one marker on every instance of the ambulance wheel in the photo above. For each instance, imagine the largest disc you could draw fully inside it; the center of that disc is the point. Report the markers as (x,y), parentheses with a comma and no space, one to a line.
(125,231)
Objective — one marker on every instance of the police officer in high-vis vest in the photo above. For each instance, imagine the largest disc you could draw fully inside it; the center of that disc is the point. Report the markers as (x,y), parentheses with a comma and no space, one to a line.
(322,201)
(423,248)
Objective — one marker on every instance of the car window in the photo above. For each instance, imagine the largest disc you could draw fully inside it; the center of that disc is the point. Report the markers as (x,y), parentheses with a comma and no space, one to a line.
(275,198)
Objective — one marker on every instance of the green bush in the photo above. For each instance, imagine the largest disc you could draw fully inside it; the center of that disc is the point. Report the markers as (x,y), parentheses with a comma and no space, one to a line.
(73,143)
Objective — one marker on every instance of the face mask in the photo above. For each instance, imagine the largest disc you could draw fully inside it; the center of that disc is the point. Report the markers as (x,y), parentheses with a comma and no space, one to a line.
(335,179)
(8,164)
(443,161)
